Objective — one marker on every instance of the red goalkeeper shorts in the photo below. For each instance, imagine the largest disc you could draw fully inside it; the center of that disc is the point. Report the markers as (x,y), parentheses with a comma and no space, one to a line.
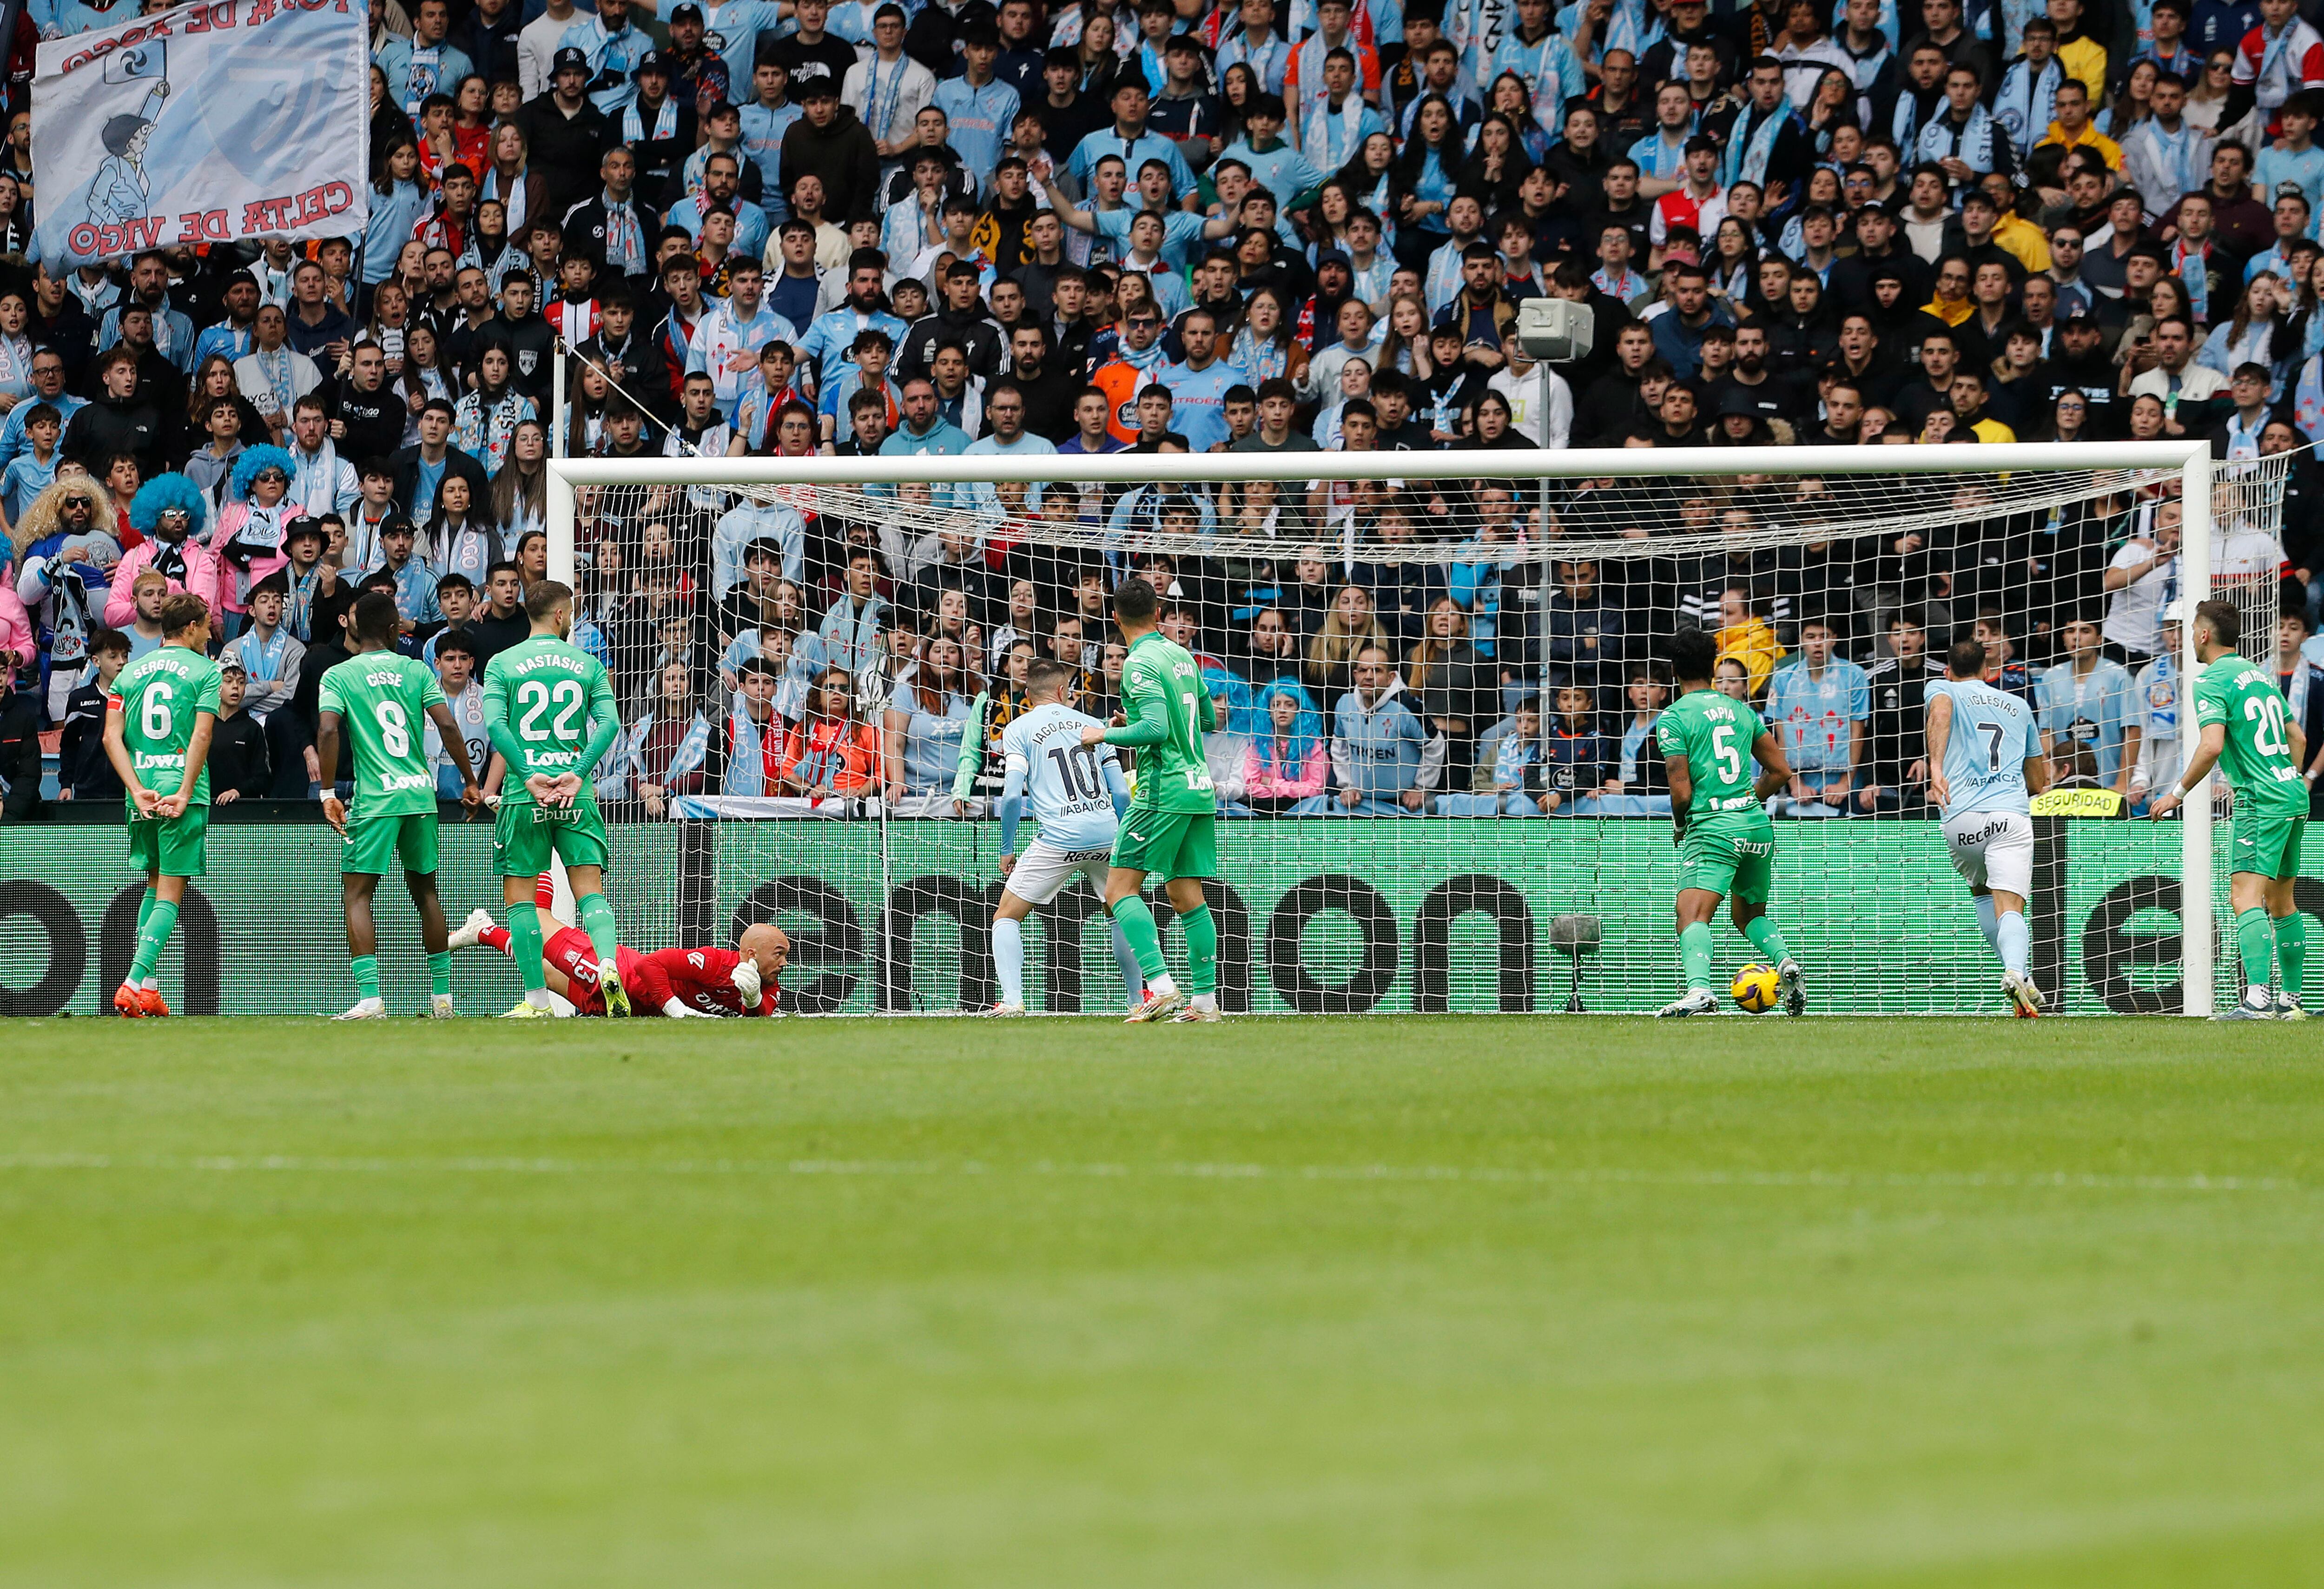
(569,951)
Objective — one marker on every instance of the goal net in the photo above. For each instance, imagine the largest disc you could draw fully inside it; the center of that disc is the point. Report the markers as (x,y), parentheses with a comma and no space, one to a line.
(1437,676)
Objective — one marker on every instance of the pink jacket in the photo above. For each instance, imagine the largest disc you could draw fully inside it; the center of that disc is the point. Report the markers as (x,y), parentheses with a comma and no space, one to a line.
(201,579)
(19,640)
(234,582)
(1260,783)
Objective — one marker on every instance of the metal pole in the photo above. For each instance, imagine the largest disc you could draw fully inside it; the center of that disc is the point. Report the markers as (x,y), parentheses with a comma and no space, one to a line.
(2195,913)
(1542,398)
(557,398)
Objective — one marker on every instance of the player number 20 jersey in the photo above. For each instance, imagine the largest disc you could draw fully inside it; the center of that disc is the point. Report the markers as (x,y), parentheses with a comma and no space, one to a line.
(1713,734)
(2258,757)
(1992,734)
(1064,780)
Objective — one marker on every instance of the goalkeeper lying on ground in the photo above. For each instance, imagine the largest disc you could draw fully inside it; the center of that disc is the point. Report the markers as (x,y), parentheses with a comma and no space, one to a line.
(675,983)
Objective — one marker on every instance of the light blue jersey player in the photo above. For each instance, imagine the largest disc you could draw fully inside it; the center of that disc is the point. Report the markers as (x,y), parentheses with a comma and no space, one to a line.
(1078,794)
(1986,762)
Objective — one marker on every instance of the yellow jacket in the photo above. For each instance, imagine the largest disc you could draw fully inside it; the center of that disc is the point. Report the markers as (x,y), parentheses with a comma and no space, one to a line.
(2086,62)
(2091,138)
(2023,238)
(1752,643)
(1990,430)
(1952,314)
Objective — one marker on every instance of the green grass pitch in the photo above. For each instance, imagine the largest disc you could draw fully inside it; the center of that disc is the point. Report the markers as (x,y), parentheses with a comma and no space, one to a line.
(1346,1302)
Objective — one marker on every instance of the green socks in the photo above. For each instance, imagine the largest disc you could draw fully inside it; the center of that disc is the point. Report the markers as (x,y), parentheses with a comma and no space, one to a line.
(1765,939)
(439,974)
(1138,926)
(2255,937)
(597,921)
(524,935)
(1202,950)
(1694,952)
(2291,949)
(156,921)
(367,970)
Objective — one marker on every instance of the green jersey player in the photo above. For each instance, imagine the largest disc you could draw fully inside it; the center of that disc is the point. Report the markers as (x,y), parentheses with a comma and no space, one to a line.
(549,709)
(1168,828)
(377,698)
(158,721)
(2248,732)
(1726,844)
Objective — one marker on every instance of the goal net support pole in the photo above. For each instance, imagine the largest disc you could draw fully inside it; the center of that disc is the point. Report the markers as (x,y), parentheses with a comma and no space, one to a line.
(2016,470)
(2197,958)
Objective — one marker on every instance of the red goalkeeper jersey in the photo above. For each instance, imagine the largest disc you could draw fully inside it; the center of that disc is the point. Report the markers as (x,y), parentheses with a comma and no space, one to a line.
(701,979)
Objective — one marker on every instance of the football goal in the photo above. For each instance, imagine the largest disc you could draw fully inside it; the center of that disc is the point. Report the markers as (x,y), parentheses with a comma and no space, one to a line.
(1436,678)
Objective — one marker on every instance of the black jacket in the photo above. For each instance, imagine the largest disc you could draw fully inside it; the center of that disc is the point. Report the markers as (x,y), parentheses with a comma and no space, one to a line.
(531,343)
(585,228)
(238,758)
(374,420)
(455,462)
(566,150)
(973,330)
(107,425)
(843,155)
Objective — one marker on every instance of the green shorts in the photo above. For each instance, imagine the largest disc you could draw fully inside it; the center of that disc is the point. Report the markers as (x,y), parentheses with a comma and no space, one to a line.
(524,837)
(375,844)
(174,848)
(1731,854)
(2268,845)
(1168,843)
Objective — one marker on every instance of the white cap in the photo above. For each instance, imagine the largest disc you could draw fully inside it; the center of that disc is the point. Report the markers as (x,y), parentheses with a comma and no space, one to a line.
(2174,611)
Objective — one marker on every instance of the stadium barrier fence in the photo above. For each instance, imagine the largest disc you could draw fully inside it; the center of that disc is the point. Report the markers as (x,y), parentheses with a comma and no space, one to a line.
(1349,915)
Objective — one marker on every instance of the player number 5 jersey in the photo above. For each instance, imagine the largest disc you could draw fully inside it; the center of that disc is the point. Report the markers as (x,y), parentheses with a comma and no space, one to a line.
(1713,735)
(2257,758)
(1992,734)
(1064,779)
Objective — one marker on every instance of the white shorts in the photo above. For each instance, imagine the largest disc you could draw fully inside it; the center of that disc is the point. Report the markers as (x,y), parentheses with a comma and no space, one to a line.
(1044,871)
(1993,850)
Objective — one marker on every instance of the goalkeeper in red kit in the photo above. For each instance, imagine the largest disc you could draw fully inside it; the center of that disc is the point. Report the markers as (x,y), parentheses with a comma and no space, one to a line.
(678,983)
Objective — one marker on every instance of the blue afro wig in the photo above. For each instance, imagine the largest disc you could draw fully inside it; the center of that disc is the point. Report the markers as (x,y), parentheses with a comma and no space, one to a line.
(254,458)
(162,492)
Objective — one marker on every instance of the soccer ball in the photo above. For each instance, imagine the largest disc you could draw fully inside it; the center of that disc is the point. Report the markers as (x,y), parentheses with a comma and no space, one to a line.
(1756,988)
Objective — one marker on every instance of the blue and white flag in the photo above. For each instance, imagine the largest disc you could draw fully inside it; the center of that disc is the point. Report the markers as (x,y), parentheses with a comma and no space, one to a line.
(209,123)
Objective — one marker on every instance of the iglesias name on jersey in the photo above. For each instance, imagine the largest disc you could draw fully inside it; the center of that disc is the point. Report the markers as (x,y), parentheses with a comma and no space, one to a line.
(1064,779)
(1992,736)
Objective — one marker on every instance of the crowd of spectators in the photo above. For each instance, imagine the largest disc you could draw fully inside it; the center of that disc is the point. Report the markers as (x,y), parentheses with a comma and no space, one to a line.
(793,227)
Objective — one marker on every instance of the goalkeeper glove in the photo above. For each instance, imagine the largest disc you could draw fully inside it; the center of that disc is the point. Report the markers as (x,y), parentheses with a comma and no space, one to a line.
(745,978)
(675,1010)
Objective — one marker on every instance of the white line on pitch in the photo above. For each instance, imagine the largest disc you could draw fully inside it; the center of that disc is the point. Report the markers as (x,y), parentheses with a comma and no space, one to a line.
(1838,1180)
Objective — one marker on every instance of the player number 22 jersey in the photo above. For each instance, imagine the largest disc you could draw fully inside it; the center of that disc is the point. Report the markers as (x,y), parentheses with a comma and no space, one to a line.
(1713,734)
(549,694)
(1992,734)
(2257,758)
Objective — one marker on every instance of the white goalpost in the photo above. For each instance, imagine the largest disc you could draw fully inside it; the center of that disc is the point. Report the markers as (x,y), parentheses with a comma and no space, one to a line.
(1807,561)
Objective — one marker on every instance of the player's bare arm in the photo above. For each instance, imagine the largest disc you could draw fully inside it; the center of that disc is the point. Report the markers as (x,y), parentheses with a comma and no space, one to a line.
(326,763)
(2198,767)
(1769,752)
(1939,730)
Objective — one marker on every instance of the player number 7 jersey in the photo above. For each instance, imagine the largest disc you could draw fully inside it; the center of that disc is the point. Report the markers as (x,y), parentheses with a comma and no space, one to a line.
(1173,775)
